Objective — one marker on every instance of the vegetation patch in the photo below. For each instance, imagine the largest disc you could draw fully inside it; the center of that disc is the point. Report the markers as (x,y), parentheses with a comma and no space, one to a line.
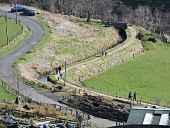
(123,52)
(65,40)
(148,75)
(17,34)
(5,94)
(12,28)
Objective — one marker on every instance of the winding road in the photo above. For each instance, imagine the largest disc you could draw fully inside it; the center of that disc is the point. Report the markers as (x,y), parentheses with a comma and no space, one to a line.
(6,62)
(7,75)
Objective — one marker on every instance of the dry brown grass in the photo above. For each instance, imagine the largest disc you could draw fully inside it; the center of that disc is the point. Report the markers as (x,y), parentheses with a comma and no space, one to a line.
(70,40)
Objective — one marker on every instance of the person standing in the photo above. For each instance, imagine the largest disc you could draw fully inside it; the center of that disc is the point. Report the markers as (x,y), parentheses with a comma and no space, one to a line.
(134,96)
(58,75)
(102,53)
(105,53)
(130,96)
(59,69)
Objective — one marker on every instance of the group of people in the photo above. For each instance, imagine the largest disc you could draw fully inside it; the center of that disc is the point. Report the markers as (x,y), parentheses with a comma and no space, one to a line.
(132,97)
(104,53)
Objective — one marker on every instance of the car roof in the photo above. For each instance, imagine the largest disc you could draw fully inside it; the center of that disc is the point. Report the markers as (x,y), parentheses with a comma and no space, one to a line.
(20,5)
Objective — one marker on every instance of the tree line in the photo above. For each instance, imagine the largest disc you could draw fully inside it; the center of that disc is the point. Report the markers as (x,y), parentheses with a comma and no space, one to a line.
(152,19)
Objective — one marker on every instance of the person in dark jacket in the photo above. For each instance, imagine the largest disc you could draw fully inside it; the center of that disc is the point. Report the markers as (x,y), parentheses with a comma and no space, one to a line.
(130,96)
(134,96)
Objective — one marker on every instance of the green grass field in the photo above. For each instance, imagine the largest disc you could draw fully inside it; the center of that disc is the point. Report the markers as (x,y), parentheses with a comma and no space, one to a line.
(4,95)
(148,75)
(13,29)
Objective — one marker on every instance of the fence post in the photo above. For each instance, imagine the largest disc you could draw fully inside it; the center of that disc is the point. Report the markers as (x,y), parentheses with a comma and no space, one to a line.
(6,28)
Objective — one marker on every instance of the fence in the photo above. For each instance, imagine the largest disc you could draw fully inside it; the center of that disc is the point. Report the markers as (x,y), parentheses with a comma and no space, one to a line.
(122,94)
(78,76)
(62,109)
(83,72)
(12,37)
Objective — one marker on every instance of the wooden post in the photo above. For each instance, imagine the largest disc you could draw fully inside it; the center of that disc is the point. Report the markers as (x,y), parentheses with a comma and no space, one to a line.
(16,11)
(6,29)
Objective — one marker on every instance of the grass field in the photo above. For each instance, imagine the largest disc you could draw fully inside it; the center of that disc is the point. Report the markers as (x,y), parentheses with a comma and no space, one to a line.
(4,95)
(17,34)
(148,75)
(13,29)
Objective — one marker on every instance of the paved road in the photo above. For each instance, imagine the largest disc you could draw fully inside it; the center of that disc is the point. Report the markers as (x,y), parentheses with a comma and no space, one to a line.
(6,61)
(8,76)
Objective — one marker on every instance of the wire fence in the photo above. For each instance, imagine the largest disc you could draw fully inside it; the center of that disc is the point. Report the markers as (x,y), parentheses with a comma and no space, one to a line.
(64,110)
(11,37)
(116,91)
(28,99)
(124,95)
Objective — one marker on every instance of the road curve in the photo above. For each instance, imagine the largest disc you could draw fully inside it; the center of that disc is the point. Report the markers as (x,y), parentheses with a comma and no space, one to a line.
(6,62)
(7,75)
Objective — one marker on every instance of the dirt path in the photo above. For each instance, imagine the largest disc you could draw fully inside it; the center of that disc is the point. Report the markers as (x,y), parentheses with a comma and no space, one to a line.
(117,48)
(92,66)
(112,51)
(71,39)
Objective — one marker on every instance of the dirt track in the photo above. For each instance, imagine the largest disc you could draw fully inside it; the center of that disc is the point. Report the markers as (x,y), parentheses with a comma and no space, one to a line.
(96,65)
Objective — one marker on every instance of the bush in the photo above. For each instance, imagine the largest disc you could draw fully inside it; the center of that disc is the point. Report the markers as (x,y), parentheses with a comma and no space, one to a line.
(140,36)
(153,39)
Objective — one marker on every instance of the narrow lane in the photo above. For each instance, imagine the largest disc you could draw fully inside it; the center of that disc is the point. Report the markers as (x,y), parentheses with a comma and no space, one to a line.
(7,75)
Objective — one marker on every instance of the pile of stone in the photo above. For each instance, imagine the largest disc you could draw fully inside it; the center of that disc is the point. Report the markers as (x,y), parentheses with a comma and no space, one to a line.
(97,106)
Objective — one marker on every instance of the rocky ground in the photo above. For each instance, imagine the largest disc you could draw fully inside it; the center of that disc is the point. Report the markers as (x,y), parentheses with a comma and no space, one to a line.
(28,112)
(98,106)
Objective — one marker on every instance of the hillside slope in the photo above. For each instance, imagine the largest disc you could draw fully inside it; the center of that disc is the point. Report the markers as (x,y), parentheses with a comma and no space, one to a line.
(70,39)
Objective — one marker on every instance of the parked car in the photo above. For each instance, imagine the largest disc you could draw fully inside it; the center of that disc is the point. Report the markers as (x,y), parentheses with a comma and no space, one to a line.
(108,23)
(28,12)
(18,8)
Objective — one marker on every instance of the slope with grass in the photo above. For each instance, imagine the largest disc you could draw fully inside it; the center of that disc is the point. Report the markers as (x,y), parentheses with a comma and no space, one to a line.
(116,55)
(7,75)
(148,75)
(69,38)
(4,94)
(13,30)
(17,33)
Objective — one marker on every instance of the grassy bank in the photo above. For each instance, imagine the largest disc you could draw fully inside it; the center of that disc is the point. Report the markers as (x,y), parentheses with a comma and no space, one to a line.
(13,30)
(28,55)
(17,34)
(4,94)
(45,39)
(61,43)
(148,75)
